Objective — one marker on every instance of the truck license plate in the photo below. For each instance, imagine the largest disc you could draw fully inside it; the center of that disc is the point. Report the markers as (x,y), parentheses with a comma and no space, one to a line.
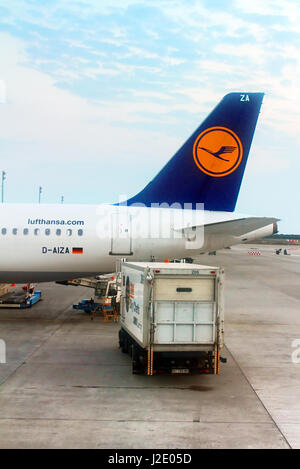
(181,371)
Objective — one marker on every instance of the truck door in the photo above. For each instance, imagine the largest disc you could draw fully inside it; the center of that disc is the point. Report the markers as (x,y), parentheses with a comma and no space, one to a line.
(185,310)
(121,234)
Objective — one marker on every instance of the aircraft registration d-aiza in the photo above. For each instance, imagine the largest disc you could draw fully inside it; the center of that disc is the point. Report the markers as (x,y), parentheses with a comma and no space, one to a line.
(187,209)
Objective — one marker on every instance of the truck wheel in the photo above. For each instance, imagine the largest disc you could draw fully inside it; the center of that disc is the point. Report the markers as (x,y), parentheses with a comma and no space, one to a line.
(121,339)
(134,361)
(142,363)
(125,345)
(123,342)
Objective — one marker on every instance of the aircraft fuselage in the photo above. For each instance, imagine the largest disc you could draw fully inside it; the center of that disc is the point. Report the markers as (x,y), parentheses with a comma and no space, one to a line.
(58,242)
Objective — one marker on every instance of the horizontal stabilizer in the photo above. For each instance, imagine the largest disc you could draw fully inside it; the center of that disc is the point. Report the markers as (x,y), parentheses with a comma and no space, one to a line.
(236,227)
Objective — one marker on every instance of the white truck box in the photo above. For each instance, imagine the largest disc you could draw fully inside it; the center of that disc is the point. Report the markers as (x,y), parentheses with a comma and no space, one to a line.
(172,310)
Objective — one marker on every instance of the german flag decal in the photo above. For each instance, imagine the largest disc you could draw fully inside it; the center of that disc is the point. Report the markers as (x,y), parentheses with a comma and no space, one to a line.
(77,250)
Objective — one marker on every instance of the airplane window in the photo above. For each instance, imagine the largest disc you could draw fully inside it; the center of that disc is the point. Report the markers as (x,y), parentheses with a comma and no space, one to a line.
(58,232)
(3,231)
(80,232)
(36,231)
(15,231)
(25,231)
(69,232)
(47,231)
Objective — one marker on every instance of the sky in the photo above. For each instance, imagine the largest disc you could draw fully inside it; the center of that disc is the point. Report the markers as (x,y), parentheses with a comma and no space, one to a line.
(96,96)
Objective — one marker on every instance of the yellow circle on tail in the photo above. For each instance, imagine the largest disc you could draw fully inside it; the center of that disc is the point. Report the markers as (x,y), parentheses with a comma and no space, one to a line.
(217,151)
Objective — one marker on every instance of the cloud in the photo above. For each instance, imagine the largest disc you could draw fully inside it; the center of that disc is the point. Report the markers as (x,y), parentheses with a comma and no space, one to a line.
(268,159)
(62,124)
(247,52)
(2,92)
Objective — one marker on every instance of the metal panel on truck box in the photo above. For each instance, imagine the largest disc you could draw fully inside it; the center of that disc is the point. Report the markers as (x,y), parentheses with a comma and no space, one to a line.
(185,323)
(184,310)
(132,310)
(190,289)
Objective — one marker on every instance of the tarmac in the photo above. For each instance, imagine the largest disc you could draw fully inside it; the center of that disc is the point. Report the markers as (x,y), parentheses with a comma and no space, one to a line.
(66,384)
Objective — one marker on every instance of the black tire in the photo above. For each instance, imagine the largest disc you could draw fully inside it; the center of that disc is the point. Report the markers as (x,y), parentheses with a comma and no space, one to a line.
(123,343)
(125,348)
(121,338)
(134,361)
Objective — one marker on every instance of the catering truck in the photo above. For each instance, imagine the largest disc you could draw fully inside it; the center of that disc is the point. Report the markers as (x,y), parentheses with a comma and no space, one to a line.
(172,317)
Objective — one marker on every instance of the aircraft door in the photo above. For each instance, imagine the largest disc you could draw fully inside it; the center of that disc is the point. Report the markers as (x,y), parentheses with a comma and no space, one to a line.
(121,234)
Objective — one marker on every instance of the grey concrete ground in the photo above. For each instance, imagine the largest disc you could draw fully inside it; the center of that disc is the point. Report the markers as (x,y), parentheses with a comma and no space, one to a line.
(66,384)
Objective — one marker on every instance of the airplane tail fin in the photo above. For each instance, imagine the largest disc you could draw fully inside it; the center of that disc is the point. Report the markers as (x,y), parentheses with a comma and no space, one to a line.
(209,167)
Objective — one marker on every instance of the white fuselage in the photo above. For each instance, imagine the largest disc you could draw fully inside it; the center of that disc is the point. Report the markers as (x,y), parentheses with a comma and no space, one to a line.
(59,242)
